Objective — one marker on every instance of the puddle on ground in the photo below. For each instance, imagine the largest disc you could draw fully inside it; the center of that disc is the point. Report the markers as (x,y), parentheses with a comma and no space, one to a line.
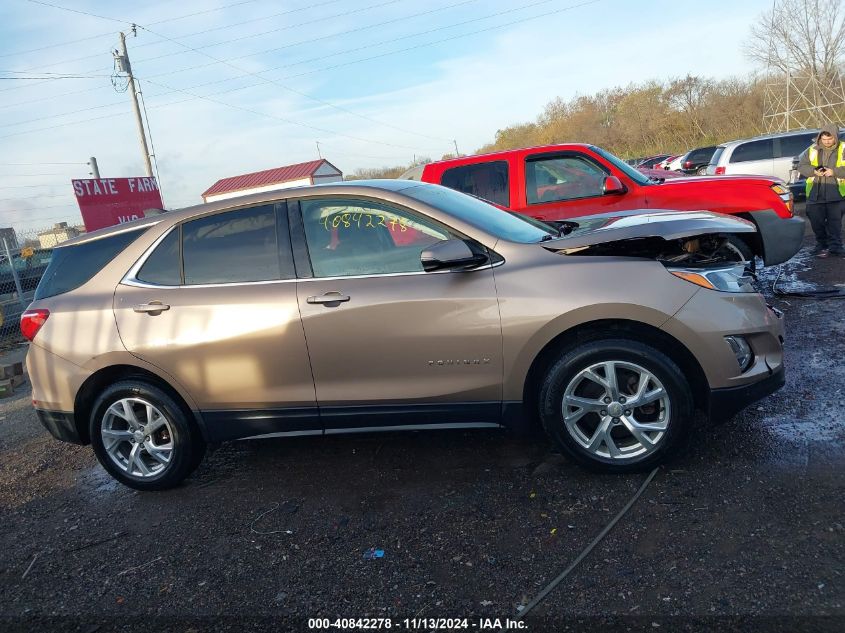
(100,481)
(828,429)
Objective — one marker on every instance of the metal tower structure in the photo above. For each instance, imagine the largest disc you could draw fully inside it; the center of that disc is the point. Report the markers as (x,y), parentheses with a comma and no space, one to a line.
(799,97)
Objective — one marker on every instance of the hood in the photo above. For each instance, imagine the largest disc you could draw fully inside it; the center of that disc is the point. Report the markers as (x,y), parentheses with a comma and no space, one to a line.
(651,223)
(831,129)
(719,181)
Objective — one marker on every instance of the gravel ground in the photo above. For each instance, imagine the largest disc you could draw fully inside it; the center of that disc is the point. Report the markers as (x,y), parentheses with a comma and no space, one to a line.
(744,532)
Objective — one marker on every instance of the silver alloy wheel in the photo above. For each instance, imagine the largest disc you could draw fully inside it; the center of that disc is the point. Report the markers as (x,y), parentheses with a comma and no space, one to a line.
(137,437)
(616,410)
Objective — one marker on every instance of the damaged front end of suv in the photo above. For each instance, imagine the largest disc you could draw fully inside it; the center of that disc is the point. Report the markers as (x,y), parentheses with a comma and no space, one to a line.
(694,239)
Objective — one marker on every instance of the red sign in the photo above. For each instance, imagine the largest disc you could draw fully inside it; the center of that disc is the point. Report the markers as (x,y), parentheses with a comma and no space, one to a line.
(109,201)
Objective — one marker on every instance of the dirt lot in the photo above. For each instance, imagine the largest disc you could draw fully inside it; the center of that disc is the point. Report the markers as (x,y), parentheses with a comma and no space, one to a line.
(745,532)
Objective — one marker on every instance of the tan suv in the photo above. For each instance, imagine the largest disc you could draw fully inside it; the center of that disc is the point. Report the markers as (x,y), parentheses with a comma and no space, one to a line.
(391,305)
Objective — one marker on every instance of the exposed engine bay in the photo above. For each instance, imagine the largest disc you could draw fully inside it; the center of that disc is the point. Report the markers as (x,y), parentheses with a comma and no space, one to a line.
(703,250)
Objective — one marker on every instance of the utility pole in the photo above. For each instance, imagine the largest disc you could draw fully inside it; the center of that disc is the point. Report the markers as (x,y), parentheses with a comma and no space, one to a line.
(122,62)
(318,149)
(457,153)
(95,171)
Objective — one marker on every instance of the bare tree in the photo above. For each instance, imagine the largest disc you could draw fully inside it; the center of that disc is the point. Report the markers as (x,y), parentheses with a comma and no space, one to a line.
(801,35)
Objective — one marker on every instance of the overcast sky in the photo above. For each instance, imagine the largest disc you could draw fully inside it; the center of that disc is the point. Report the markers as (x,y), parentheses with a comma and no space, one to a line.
(374,81)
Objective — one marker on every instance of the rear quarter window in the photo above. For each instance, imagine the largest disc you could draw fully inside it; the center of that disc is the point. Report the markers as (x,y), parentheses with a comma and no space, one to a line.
(714,159)
(72,266)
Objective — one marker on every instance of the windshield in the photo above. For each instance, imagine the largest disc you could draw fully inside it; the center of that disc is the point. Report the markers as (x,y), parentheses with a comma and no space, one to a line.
(635,175)
(502,224)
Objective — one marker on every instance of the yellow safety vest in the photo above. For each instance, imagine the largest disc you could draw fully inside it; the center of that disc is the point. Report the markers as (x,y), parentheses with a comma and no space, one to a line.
(813,155)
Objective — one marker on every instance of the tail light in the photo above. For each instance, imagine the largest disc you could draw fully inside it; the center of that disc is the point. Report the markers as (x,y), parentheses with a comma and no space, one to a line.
(720,171)
(31,322)
(688,164)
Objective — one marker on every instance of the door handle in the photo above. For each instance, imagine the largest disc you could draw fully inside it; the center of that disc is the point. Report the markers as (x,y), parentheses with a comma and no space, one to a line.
(153,308)
(329,298)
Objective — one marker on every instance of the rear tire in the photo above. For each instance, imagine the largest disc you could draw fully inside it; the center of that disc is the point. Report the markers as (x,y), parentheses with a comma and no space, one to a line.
(701,171)
(597,421)
(143,437)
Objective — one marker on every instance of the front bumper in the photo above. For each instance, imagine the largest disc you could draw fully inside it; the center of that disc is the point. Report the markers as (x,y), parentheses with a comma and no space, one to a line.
(725,403)
(61,425)
(781,237)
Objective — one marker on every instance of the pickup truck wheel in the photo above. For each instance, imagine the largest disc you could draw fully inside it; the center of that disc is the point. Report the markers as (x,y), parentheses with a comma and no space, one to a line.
(143,437)
(616,405)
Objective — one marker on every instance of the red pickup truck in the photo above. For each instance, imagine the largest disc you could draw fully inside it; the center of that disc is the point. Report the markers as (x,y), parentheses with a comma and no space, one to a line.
(561,182)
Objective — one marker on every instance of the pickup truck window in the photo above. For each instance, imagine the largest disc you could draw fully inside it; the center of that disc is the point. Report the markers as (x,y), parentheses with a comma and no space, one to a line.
(562,178)
(359,237)
(488,181)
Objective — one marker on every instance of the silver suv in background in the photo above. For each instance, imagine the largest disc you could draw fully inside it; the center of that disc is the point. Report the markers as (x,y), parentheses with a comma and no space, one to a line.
(769,155)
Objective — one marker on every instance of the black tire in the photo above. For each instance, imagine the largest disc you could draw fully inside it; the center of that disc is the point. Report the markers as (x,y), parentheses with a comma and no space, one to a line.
(574,361)
(188,446)
(741,247)
(701,171)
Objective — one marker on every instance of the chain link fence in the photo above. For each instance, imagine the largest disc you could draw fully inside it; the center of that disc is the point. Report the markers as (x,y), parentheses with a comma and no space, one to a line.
(24,256)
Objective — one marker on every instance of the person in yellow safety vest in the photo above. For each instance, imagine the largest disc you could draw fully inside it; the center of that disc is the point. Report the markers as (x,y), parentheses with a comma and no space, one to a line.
(823,164)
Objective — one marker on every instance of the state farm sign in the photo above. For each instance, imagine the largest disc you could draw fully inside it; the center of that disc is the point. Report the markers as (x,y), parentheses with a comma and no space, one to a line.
(109,201)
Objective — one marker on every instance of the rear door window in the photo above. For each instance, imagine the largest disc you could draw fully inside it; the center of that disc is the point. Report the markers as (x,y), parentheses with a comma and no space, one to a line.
(763,149)
(488,181)
(794,145)
(72,266)
(231,247)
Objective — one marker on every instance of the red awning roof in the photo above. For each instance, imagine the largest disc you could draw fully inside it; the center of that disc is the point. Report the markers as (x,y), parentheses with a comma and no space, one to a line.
(266,177)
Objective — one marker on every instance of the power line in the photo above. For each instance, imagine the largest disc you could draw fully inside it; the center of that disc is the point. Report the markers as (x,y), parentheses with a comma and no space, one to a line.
(37,164)
(282,119)
(93,15)
(226,26)
(307,96)
(311,41)
(55,78)
(281,28)
(422,45)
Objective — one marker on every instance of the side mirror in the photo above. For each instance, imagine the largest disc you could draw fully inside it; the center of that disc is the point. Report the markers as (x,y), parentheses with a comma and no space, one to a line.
(612,185)
(450,254)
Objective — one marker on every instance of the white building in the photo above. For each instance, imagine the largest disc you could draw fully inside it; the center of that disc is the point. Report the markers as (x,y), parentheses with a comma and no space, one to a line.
(60,232)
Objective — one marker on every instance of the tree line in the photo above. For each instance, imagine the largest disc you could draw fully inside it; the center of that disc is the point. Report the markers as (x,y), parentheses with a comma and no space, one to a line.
(637,120)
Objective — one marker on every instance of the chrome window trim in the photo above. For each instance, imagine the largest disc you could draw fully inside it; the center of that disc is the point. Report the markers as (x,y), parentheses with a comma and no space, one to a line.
(136,283)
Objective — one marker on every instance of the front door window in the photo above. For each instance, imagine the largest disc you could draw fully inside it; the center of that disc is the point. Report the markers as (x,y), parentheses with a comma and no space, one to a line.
(562,178)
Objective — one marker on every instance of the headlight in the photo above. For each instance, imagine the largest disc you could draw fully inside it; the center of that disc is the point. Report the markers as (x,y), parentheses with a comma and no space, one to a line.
(729,279)
(742,351)
(785,194)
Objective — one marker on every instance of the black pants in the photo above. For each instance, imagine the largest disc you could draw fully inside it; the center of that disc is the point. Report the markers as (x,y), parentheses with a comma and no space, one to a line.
(826,220)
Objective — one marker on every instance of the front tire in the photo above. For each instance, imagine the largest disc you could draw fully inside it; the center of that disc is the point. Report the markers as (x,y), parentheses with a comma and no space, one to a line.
(616,405)
(143,437)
